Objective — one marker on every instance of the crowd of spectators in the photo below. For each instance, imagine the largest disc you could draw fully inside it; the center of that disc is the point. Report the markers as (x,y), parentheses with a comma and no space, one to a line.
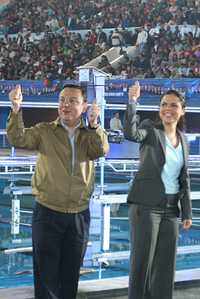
(36,15)
(165,50)
(52,57)
(167,53)
(176,56)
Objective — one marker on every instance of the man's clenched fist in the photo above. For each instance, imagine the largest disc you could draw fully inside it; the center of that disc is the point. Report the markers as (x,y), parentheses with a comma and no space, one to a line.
(15,97)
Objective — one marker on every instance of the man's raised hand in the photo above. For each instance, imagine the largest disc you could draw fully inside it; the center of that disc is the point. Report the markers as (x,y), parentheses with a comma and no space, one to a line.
(15,97)
(93,114)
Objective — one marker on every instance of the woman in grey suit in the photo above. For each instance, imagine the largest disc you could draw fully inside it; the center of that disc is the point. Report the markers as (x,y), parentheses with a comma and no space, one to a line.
(160,187)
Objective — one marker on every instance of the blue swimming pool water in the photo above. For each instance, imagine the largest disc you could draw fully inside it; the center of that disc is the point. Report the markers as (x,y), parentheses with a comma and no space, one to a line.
(16,268)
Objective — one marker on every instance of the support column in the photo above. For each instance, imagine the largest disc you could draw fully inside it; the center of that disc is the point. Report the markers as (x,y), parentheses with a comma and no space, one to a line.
(95,81)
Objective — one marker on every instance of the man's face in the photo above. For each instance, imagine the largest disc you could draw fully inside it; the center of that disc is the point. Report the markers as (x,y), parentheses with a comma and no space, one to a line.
(71,106)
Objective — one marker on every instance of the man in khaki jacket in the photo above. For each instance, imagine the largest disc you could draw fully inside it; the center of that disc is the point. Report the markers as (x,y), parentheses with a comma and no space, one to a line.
(62,184)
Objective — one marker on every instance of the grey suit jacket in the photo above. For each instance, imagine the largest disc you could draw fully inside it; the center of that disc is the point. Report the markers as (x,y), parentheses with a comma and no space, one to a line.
(147,188)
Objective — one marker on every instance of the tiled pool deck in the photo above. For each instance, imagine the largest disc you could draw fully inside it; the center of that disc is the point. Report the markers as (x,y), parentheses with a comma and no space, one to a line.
(116,288)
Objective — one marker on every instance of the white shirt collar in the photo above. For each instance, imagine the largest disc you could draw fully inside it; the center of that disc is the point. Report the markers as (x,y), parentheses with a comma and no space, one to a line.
(70,130)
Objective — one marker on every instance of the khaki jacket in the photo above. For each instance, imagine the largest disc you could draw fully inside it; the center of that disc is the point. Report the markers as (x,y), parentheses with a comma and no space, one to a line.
(55,184)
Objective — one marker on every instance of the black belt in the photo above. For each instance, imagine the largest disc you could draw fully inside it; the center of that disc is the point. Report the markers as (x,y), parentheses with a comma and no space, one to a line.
(172,200)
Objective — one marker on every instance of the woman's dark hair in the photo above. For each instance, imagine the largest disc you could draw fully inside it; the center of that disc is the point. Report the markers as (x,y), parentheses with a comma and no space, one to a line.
(181,122)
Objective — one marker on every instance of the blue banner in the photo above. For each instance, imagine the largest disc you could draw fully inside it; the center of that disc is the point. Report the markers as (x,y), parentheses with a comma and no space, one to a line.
(116,90)
(151,89)
(35,90)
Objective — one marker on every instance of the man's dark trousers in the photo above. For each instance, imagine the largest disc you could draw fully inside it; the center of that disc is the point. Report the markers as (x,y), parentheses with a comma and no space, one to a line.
(59,244)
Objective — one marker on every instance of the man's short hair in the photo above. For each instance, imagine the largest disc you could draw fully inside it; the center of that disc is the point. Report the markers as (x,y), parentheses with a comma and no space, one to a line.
(76,86)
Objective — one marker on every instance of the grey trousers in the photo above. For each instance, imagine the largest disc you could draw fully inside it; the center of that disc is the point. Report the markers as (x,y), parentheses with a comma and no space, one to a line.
(154,235)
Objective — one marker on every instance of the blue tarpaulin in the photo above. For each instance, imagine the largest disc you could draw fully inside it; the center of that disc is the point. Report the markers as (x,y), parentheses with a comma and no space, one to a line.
(116,90)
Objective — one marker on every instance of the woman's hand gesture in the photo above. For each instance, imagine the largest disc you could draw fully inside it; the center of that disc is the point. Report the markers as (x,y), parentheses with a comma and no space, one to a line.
(134,92)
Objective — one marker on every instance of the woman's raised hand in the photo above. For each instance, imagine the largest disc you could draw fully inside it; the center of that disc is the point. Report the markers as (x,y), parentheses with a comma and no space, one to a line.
(134,91)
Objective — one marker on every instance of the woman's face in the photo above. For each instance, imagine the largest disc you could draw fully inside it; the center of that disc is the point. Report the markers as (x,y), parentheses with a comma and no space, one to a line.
(171,109)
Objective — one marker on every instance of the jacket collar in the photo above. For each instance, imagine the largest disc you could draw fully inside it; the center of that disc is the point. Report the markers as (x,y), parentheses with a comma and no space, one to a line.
(161,135)
(57,123)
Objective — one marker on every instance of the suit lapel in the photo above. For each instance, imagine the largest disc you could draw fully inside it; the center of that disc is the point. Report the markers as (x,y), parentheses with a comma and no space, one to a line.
(184,147)
(159,157)
(161,136)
